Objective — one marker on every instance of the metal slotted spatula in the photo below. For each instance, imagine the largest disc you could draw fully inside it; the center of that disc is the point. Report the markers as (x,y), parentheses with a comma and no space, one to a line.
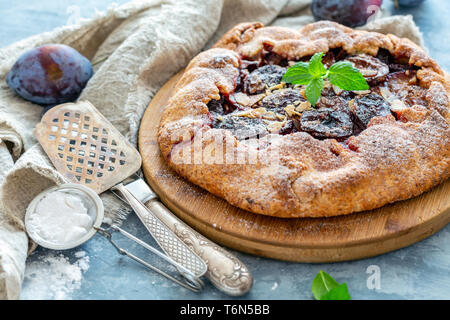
(86,149)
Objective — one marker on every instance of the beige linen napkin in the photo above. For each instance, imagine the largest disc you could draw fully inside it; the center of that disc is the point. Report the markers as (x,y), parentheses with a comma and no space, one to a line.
(142,44)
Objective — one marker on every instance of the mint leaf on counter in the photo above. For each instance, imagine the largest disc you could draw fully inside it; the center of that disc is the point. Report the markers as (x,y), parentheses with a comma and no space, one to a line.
(338,293)
(342,74)
(324,287)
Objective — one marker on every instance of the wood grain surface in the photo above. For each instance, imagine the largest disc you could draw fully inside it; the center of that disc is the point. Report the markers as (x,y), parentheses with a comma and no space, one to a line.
(341,238)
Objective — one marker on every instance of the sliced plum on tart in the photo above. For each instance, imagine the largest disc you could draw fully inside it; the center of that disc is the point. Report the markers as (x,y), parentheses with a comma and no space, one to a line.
(262,103)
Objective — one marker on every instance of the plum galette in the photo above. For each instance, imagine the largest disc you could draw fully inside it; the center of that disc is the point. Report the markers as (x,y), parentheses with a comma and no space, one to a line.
(237,128)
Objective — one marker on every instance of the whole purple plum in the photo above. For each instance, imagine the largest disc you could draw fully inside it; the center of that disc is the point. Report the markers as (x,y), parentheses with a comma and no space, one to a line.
(351,13)
(50,74)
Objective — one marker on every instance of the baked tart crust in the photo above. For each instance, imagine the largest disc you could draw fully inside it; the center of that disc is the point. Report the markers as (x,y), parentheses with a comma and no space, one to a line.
(354,151)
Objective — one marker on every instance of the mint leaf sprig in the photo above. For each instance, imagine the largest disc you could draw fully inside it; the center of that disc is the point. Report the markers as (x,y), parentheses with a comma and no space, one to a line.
(324,287)
(313,73)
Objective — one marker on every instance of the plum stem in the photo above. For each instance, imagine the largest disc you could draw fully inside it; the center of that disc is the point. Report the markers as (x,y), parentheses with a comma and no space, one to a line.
(100,61)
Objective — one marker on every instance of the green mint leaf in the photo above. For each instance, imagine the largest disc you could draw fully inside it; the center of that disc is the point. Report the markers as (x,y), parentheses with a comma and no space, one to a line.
(324,287)
(298,74)
(344,75)
(322,284)
(313,90)
(316,67)
(338,293)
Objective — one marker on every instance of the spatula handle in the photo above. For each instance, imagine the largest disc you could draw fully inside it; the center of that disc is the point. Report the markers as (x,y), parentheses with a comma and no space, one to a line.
(225,271)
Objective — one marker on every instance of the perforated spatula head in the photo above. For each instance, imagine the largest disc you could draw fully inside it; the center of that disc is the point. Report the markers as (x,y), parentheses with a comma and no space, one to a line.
(85,147)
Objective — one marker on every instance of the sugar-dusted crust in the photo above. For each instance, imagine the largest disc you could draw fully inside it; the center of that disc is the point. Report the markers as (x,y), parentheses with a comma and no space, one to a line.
(389,161)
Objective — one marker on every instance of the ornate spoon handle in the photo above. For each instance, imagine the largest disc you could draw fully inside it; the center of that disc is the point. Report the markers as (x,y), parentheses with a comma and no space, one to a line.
(225,271)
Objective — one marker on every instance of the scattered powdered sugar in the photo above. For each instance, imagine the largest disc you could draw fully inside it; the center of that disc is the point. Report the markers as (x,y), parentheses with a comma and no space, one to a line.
(53,276)
(80,254)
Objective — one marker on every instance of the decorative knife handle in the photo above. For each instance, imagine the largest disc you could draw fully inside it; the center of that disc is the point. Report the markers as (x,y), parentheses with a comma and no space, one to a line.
(225,271)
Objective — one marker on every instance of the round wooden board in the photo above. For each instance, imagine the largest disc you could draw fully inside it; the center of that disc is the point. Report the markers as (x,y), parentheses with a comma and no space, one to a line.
(342,238)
